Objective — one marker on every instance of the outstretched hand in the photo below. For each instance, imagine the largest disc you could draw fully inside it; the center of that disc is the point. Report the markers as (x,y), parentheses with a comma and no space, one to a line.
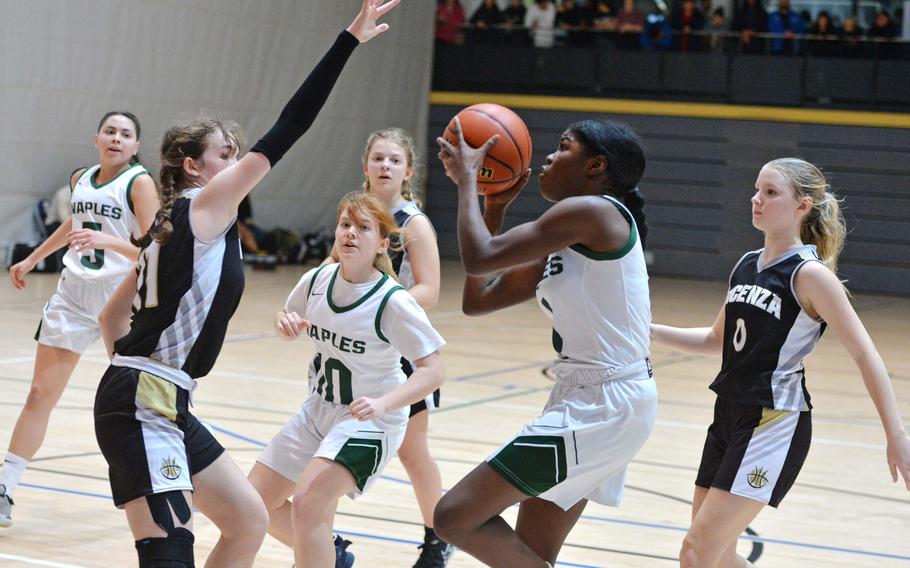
(462,161)
(364,26)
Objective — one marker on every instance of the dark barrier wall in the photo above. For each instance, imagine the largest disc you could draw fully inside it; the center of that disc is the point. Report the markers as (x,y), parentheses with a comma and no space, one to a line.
(735,78)
(700,177)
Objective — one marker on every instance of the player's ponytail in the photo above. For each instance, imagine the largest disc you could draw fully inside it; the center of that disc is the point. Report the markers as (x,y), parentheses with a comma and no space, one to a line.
(625,162)
(362,203)
(824,225)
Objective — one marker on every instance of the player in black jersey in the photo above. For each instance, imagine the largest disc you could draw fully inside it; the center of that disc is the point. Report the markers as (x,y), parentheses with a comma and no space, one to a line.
(189,280)
(780,300)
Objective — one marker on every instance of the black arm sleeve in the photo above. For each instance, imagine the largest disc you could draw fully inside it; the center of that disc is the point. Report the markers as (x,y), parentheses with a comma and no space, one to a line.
(301,110)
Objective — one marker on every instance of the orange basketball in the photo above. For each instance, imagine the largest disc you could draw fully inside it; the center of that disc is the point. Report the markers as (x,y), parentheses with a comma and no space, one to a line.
(511,155)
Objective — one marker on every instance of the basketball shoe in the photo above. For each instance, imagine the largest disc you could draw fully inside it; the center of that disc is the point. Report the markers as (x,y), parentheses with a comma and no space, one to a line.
(434,552)
(6,508)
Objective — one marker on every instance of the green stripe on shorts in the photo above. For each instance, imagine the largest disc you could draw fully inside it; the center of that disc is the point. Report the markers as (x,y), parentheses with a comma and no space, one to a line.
(361,456)
(533,464)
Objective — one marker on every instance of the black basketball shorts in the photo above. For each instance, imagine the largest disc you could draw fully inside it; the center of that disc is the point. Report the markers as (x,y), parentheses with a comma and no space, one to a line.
(429,402)
(150,440)
(753,451)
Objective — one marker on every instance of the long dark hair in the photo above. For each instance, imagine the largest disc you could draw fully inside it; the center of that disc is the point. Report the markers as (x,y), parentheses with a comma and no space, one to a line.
(133,159)
(625,162)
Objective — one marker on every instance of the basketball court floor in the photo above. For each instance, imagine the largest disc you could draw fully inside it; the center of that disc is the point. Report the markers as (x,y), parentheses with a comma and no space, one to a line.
(843,511)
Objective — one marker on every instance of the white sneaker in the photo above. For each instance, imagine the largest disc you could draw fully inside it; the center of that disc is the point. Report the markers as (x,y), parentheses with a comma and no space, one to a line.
(6,508)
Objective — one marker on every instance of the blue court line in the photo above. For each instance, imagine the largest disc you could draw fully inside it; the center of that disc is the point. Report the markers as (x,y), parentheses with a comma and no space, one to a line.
(652,525)
(345,533)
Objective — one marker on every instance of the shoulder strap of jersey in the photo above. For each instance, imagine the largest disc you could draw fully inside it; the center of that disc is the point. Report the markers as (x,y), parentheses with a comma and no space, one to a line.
(81,170)
(385,300)
(735,266)
(309,289)
(129,186)
(623,250)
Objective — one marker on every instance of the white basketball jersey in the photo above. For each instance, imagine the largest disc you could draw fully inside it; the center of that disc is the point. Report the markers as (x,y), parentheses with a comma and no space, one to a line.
(360,332)
(107,208)
(599,304)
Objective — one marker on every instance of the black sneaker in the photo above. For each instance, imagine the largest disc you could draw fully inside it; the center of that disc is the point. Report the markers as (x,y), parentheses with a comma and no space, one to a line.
(434,554)
(343,558)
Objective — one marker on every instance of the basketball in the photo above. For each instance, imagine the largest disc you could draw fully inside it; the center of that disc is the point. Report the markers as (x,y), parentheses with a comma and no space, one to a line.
(511,155)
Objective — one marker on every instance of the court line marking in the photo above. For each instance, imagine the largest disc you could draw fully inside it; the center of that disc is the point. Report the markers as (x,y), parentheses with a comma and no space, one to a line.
(109,498)
(36,562)
(644,524)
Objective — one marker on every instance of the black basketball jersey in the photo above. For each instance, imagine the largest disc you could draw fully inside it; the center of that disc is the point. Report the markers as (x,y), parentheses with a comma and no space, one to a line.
(187,292)
(767,334)
(401,264)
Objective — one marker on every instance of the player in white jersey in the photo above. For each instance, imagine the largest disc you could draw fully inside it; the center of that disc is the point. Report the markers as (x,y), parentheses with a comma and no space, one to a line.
(112,202)
(361,323)
(583,260)
(781,299)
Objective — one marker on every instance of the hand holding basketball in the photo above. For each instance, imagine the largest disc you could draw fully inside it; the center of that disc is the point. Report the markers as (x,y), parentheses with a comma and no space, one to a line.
(461,160)
(503,164)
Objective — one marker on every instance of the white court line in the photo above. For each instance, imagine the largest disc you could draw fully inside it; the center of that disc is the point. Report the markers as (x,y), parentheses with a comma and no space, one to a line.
(36,562)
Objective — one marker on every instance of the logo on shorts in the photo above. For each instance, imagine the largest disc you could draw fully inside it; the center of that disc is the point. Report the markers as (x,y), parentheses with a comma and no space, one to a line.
(758,477)
(170,468)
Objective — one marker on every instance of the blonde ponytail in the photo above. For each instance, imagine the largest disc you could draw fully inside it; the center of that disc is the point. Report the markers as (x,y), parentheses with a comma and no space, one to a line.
(824,225)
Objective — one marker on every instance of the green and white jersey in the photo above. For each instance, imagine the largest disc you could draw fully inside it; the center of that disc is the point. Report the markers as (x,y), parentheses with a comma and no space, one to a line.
(360,332)
(107,208)
(599,304)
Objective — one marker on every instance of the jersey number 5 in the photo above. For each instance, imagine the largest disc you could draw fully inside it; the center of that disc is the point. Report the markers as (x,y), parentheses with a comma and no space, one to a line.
(93,259)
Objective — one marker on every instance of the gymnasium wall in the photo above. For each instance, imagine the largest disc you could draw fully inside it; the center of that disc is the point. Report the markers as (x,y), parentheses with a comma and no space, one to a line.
(63,63)
(700,177)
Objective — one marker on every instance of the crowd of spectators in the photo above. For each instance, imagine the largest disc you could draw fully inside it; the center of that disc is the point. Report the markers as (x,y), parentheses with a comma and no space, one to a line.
(687,25)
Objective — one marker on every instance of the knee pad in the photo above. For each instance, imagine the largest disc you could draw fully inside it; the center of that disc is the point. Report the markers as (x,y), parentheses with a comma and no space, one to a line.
(173,551)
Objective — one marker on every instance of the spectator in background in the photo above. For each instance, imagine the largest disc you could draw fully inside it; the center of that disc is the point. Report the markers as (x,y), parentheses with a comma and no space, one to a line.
(514,17)
(751,19)
(605,16)
(787,23)
(449,22)
(541,20)
(823,33)
(686,20)
(657,34)
(718,27)
(486,20)
(630,23)
(851,39)
(575,21)
(885,31)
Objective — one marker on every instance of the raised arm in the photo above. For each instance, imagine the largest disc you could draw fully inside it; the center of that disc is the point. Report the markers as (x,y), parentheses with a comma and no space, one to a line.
(215,208)
(587,220)
(485,294)
(698,340)
(822,294)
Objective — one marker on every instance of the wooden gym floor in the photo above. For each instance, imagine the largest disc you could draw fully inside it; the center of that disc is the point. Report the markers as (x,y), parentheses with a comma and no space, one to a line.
(843,511)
